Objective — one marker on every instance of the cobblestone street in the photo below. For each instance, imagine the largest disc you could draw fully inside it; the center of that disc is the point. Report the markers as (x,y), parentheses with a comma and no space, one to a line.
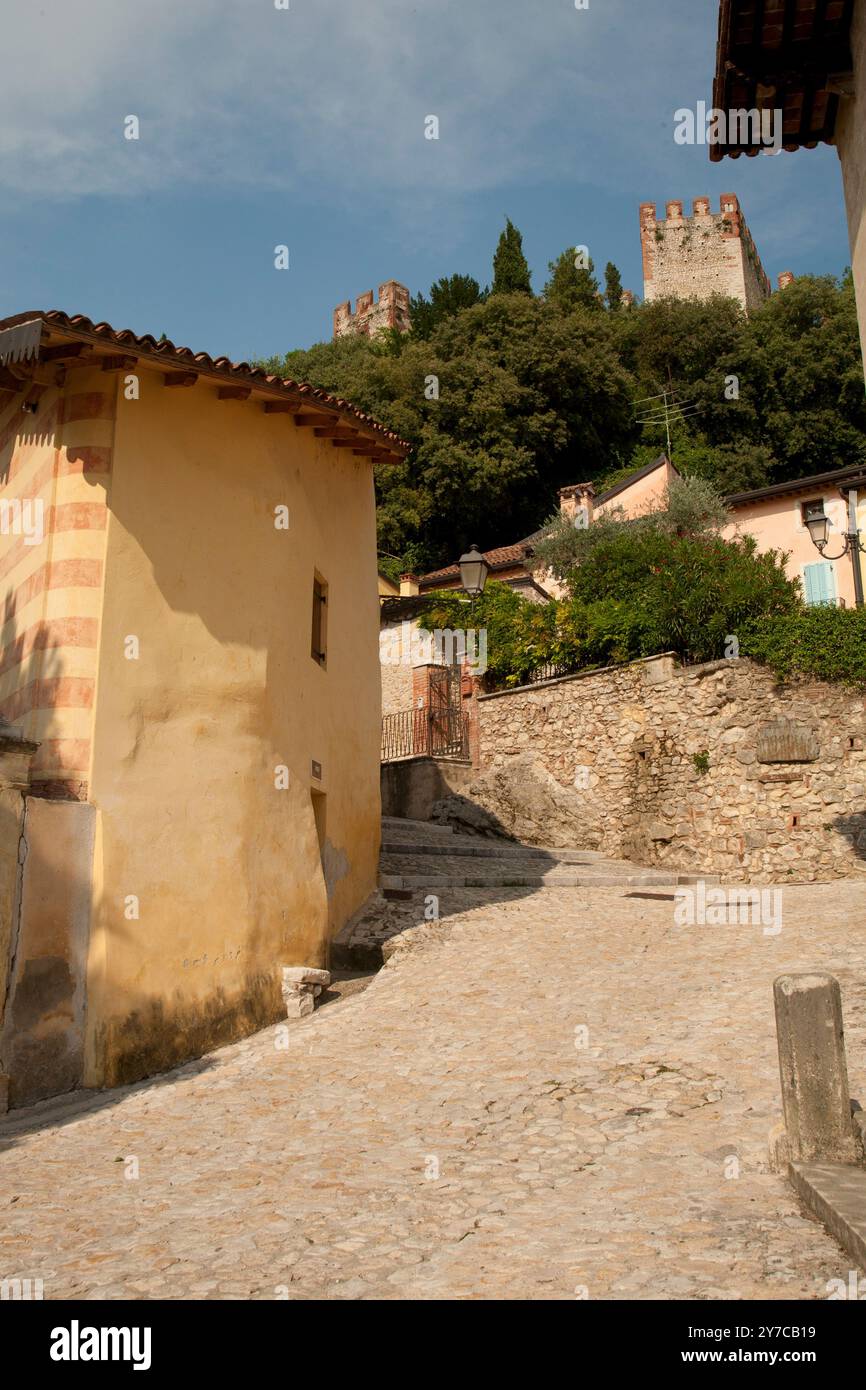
(451,1132)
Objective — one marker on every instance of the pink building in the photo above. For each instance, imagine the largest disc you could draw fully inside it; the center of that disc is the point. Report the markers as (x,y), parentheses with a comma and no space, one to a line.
(776,516)
(643,491)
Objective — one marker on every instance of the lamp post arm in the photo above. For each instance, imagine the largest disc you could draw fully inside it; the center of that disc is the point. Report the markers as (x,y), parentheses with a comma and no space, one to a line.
(822,549)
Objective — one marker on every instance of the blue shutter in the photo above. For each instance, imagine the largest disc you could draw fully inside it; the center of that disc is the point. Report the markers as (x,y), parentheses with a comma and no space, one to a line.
(819,583)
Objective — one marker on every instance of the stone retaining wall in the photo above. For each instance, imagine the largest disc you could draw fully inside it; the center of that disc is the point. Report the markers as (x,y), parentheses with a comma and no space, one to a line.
(716,767)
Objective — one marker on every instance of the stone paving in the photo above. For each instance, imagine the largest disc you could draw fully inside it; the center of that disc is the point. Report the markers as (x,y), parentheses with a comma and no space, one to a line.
(557,1094)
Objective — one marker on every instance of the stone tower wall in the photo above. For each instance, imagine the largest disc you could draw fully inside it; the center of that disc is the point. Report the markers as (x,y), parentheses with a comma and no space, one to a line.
(390,310)
(705,254)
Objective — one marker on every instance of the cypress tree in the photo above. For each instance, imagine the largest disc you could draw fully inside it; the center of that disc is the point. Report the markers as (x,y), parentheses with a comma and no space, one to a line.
(612,286)
(510,267)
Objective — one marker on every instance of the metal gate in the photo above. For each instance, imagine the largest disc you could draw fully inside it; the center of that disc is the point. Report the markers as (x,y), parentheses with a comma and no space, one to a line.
(438,729)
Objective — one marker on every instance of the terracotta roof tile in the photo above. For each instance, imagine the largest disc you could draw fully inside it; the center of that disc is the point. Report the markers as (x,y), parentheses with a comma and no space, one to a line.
(790,55)
(223,367)
(501,557)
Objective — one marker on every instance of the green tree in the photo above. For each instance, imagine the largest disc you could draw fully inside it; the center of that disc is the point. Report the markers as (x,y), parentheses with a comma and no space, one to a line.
(572,284)
(612,287)
(447,297)
(530,394)
(690,508)
(510,266)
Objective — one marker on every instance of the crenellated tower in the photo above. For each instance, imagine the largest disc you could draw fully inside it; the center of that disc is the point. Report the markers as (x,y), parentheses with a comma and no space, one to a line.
(390,310)
(702,255)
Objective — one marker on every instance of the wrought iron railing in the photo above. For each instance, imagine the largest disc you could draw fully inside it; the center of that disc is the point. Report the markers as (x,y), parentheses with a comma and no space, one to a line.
(434,733)
(551,671)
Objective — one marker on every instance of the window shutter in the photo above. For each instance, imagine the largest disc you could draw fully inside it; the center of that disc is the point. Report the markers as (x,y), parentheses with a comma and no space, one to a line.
(819,583)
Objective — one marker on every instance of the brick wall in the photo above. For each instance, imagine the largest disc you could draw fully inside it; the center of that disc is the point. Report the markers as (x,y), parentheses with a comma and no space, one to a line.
(52,590)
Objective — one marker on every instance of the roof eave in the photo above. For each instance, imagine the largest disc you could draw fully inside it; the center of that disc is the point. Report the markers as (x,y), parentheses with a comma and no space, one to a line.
(168,358)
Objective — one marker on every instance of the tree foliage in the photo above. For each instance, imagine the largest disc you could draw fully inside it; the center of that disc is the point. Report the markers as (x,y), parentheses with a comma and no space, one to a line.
(691,508)
(612,287)
(505,396)
(823,642)
(639,591)
(447,297)
(510,266)
(572,285)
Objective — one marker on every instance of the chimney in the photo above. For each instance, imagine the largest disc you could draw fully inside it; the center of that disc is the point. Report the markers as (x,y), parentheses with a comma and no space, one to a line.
(785,279)
(409,586)
(577,500)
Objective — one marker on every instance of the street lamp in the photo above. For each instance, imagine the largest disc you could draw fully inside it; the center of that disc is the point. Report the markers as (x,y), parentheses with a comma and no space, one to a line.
(818,526)
(473,572)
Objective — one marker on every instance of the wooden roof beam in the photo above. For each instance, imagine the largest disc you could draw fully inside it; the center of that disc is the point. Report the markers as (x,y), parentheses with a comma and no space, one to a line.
(306,420)
(62,352)
(117,362)
(180,378)
(234,393)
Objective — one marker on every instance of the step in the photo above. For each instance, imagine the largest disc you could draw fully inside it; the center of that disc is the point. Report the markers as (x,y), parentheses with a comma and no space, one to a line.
(486,850)
(427,829)
(630,877)
(447,863)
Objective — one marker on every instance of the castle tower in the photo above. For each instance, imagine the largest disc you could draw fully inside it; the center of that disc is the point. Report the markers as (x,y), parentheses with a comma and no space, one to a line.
(391,310)
(702,255)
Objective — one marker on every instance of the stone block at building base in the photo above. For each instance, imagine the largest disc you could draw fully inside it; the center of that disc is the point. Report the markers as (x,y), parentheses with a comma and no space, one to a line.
(301,987)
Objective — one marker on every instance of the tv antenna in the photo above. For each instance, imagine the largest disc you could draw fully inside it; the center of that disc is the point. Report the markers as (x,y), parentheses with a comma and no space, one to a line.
(664,410)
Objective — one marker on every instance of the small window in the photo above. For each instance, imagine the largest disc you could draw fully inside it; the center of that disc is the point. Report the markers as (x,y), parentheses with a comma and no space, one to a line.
(814,507)
(318,648)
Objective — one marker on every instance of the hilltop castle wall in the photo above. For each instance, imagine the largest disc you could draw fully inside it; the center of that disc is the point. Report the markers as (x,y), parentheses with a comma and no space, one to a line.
(702,255)
(390,310)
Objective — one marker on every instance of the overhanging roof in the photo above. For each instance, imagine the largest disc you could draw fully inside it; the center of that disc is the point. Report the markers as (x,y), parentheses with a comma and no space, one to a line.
(35,346)
(793,55)
(836,478)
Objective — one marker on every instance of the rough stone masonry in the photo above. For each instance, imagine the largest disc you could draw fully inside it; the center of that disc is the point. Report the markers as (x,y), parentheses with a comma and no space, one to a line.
(702,255)
(715,767)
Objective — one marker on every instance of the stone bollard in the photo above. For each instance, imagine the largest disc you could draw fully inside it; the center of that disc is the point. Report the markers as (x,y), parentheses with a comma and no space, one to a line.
(302,985)
(813,1070)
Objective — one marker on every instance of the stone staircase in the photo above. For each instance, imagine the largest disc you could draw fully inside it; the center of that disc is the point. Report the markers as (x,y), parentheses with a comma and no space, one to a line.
(420,855)
(463,871)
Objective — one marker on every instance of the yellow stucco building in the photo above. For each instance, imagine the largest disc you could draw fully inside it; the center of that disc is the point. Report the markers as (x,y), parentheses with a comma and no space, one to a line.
(188,562)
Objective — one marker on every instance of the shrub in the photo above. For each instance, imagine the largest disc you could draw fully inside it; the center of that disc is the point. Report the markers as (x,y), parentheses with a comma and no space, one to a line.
(826,643)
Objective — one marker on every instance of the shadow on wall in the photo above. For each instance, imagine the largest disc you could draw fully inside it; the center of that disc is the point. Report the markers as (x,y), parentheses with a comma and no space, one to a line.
(852,827)
(48,844)
(25,427)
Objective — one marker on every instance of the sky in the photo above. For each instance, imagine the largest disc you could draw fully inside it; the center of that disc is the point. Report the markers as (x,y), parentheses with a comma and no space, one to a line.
(304,126)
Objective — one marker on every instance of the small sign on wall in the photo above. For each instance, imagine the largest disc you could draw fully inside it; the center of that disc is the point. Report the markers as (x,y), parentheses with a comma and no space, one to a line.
(316,770)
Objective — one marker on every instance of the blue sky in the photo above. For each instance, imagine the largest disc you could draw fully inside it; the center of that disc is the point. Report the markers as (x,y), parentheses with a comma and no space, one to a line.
(305,126)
